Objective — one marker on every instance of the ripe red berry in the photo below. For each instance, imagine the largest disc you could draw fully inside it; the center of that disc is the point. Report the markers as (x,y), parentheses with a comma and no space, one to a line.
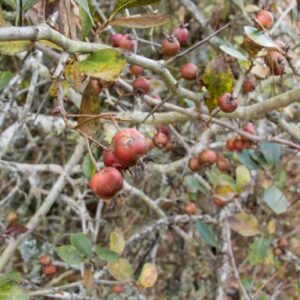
(249,85)
(190,208)
(181,33)
(223,163)
(189,71)
(128,145)
(45,260)
(249,127)
(207,156)
(110,160)
(136,70)
(165,130)
(127,42)
(282,242)
(194,165)
(118,289)
(141,86)
(219,201)
(265,18)
(115,39)
(170,46)
(228,103)
(107,182)
(230,145)
(160,140)
(50,270)
(275,61)
(238,144)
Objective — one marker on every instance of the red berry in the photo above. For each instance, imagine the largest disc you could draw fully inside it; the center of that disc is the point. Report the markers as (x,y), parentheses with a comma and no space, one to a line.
(127,42)
(190,208)
(230,145)
(118,289)
(265,18)
(249,85)
(249,127)
(45,260)
(110,160)
(194,165)
(107,182)
(228,103)
(170,46)
(160,140)
(282,242)
(136,70)
(219,201)
(207,156)
(223,163)
(115,39)
(238,144)
(128,145)
(165,130)
(189,71)
(141,86)
(181,33)
(50,270)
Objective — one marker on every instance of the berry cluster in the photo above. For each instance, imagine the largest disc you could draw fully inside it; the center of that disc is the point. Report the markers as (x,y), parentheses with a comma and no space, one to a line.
(127,146)
(48,268)
(162,138)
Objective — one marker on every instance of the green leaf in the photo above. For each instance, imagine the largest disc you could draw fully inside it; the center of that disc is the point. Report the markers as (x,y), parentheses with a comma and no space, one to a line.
(5,77)
(244,224)
(88,167)
(207,234)
(148,275)
(106,254)
(246,159)
(233,52)
(271,152)
(276,200)
(82,243)
(117,242)
(69,255)
(243,178)
(259,251)
(121,270)
(123,4)
(14,47)
(10,278)
(29,3)
(12,292)
(86,24)
(193,184)
(259,37)
(218,178)
(85,6)
(106,64)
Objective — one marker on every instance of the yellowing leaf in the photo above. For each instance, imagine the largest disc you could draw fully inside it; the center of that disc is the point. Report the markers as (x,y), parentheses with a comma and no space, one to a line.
(121,270)
(148,275)
(141,21)
(244,224)
(106,64)
(14,47)
(117,242)
(243,178)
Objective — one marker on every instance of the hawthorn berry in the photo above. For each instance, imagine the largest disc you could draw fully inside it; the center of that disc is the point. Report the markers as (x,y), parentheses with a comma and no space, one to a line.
(181,33)
(249,127)
(118,289)
(228,103)
(107,182)
(282,243)
(223,163)
(190,208)
(110,160)
(170,46)
(207,157)
(128,145)
(189,71)
(50,270)
(160,139)
(238,144)
(194,165)
(45,260)
(136,70)
(230,145)
(265,18)
(249,85)
(115,39)
(141,86)
(127,42)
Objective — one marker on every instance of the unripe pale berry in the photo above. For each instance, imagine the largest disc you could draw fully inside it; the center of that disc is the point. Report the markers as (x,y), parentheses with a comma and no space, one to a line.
(189,71)
(127,42)
(141,86)
(265,18)
(228,103)
(107,182)
(170,46)
(181,33)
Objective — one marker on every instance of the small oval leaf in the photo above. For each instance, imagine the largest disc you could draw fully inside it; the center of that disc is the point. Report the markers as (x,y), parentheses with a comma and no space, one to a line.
(69,255)
(106,254)
(117,242)
(259,37)
(121,270)
(233,52)
(82,243)
(148,275)
(243,178)
(244,224)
